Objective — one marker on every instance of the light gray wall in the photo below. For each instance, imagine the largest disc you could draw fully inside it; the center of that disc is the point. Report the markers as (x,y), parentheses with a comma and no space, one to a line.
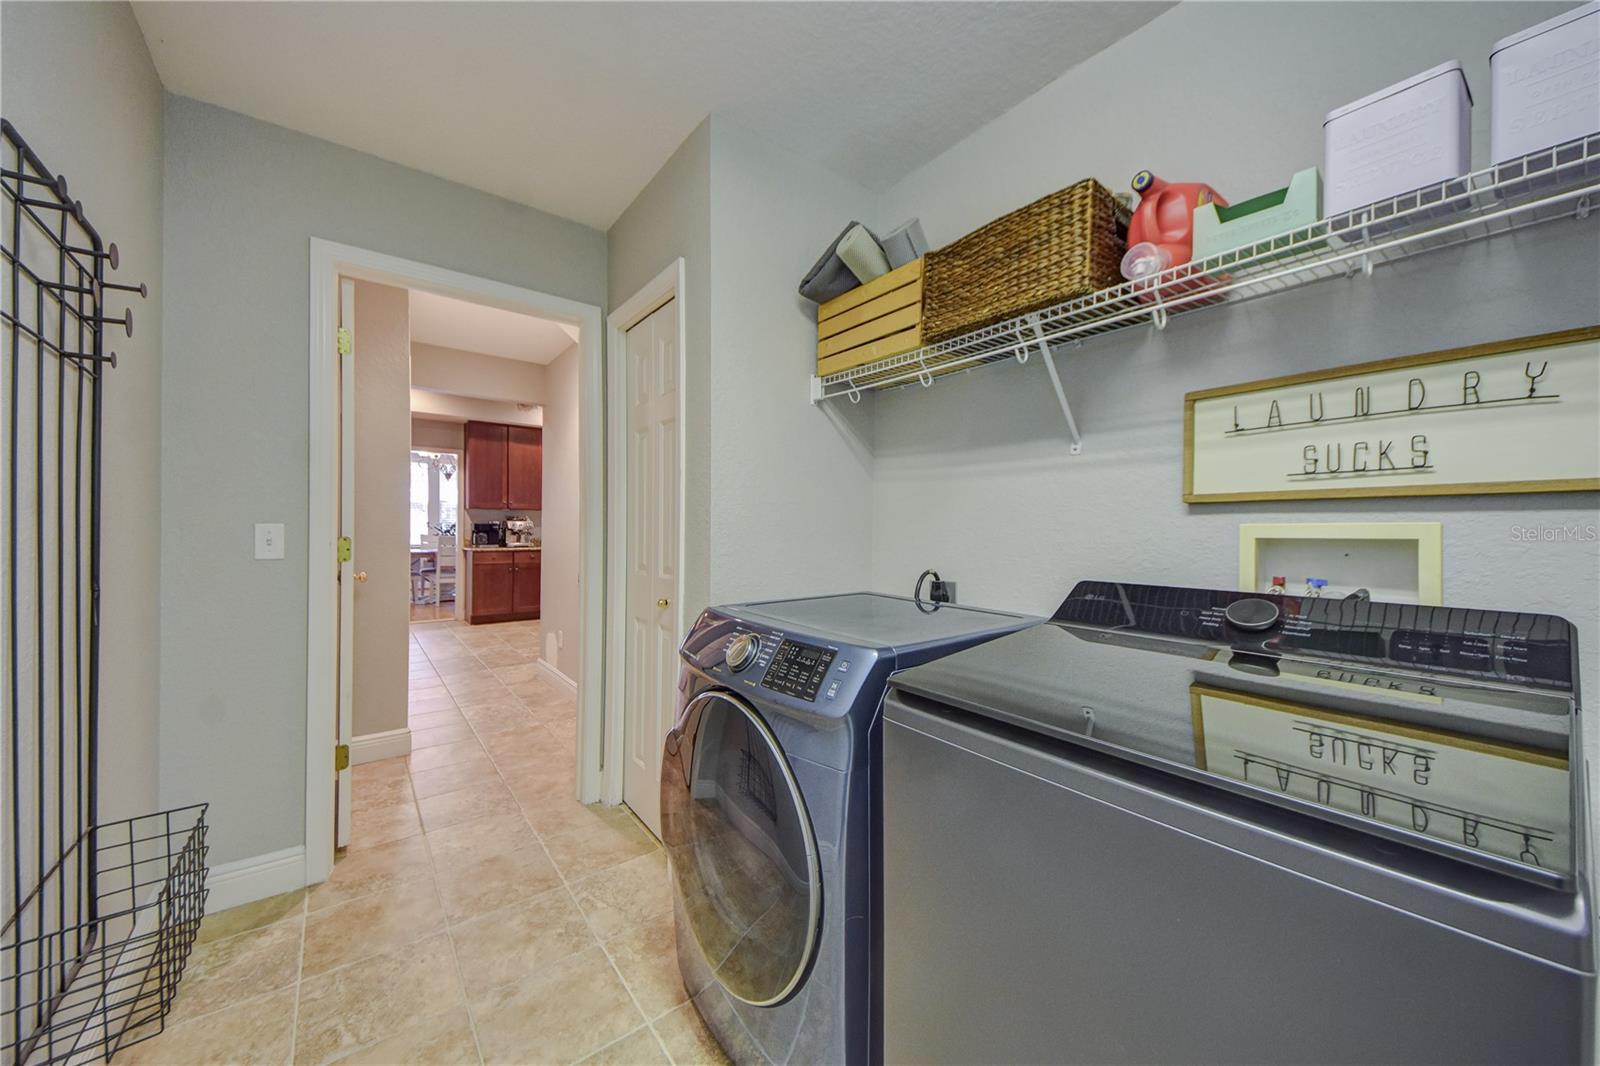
(382,532)
(243,198)
(791,484)
(973,475)
(671,217)
(777,493)
(558,575)
(79,86)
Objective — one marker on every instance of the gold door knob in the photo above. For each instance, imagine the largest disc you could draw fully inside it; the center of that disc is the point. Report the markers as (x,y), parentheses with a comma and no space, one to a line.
(361,576)
(663,602)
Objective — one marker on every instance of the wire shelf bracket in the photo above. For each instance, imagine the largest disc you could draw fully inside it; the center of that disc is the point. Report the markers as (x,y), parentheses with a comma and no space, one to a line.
(1558,183)
(1076,448)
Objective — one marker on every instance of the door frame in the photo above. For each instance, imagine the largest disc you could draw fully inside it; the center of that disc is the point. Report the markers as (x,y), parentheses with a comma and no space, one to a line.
(329,261)
(607,717)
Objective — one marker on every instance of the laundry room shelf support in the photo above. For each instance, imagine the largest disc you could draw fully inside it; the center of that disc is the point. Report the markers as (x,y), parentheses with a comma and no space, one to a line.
(1055,382)
(1559,183)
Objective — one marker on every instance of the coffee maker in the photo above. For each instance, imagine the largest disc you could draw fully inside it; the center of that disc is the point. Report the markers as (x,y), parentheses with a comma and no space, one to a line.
(521,532)
(488,535)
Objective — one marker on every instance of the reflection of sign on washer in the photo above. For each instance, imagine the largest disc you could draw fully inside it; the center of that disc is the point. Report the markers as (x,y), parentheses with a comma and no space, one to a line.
(1504,799)
(1515,416)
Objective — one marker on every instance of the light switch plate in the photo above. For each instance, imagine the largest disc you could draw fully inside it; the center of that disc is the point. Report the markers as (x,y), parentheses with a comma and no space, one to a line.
(269,540)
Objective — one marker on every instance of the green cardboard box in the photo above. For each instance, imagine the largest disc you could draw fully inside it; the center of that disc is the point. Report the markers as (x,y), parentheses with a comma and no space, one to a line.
(1220,229)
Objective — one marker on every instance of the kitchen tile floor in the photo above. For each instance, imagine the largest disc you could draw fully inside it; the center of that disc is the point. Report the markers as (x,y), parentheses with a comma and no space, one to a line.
(433,612)
(480,914)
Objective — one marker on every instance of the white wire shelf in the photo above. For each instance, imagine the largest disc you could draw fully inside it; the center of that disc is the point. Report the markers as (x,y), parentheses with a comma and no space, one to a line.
(1559,182)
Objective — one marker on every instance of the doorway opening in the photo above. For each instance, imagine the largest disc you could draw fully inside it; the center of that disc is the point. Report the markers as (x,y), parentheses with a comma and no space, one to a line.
(456,717)
(478,699)
(435,574)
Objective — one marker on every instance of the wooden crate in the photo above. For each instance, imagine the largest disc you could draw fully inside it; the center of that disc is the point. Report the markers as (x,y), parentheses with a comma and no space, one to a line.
(876,320)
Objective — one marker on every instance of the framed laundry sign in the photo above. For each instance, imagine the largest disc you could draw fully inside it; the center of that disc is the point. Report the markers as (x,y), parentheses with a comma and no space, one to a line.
(1499,798)
(1514,416)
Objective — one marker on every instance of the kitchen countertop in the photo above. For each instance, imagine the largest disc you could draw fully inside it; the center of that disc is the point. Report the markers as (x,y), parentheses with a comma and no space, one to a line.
(498,548)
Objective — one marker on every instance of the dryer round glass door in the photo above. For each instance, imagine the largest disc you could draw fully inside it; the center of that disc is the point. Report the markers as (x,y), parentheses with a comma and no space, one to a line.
(744,857)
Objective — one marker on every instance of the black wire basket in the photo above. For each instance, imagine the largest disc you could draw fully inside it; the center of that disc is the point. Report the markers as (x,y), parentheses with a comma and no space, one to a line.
(80,991)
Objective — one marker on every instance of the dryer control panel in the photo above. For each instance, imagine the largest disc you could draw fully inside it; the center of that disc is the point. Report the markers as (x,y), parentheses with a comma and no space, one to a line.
(798,669)
(802,673)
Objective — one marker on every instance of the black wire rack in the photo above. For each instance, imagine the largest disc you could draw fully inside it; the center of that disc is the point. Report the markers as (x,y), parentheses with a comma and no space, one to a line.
(94,987)
(99,916)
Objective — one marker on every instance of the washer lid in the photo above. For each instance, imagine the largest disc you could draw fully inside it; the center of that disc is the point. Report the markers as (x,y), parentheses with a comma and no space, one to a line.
(1450,729)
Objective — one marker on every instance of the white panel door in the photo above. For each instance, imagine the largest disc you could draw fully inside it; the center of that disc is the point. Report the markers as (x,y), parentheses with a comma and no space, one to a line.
(650,688)
(347,574)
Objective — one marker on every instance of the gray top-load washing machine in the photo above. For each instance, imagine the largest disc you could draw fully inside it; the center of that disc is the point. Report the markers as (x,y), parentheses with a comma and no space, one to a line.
(1187,825)
(769,813)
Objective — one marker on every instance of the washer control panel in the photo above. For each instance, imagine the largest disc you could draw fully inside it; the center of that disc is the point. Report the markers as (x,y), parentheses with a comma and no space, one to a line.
(798,669)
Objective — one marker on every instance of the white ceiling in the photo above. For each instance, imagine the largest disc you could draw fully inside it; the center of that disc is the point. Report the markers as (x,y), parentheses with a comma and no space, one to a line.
(573,107)
(451,323)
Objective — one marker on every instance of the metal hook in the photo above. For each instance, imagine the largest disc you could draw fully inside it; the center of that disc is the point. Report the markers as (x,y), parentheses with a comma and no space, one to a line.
(1023,347)
(1158,315)
(110,255)
(1583,207)
(126,321)
(924,375)
(853,392)
(142,289)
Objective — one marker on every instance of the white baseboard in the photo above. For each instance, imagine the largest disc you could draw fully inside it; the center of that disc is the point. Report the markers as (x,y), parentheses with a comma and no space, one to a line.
(370,747)
(248,880)
(557,677)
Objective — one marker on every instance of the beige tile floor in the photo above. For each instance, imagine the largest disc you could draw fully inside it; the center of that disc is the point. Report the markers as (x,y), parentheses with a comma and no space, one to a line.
(480,914)
(433,612)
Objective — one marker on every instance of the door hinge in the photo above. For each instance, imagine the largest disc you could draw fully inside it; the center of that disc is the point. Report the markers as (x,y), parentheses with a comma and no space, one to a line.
(344,340)
(346,549)
(341,757)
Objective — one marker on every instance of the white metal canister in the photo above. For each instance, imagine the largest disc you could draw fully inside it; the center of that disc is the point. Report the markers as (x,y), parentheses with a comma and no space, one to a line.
(1546,84)
(1411,135)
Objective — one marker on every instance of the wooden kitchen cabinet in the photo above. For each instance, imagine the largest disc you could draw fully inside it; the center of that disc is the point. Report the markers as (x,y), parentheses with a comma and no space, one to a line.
(525,584)
(505,586)
(524,468)
(493,583)
(504,467)
(485,465)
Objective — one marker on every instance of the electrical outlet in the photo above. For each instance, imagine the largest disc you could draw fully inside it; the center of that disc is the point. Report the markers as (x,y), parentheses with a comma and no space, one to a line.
(269,540)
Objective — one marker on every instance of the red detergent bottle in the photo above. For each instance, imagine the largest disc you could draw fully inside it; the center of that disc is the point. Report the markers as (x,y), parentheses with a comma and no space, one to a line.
(1161,232)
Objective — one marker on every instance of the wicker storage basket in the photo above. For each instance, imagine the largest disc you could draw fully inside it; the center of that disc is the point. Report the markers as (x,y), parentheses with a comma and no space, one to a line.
(1067,244)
